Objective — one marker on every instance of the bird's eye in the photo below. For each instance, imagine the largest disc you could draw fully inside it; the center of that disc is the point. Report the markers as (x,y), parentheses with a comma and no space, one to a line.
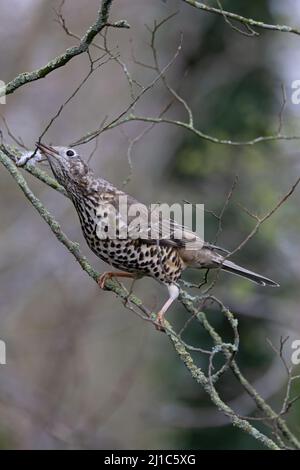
(70,153)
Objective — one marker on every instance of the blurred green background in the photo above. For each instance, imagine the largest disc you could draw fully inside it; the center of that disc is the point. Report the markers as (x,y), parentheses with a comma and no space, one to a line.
(83,372)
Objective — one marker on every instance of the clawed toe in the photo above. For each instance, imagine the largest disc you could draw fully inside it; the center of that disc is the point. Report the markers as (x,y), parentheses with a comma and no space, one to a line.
(159,323)
(112,274)
(102,279)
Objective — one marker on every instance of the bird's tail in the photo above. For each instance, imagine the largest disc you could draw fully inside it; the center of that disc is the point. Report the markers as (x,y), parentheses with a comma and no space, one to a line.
(243,272)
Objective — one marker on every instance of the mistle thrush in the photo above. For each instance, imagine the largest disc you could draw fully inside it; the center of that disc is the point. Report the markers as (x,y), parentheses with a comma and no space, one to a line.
(163,259)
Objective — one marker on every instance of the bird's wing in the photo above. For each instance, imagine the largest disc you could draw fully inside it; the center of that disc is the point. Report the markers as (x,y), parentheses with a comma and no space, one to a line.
(148,224)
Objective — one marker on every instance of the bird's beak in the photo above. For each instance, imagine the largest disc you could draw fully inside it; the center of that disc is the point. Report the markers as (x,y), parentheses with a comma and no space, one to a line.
(47,150)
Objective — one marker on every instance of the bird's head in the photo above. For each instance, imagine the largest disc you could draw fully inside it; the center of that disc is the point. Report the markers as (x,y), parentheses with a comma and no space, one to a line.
(66,164)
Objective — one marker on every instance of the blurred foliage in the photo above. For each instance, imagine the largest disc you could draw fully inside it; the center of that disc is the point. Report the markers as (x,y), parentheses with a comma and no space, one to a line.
(239,109)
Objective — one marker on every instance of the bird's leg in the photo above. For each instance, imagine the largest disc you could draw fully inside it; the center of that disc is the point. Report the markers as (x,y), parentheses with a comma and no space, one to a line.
(173,295)
(110,274)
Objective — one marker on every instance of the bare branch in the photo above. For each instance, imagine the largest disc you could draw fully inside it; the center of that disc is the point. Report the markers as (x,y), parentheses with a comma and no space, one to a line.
(249,31)
(61,60)
(241,19)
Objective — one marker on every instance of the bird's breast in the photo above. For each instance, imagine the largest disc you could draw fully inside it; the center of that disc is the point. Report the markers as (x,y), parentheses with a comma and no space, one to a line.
(102,230)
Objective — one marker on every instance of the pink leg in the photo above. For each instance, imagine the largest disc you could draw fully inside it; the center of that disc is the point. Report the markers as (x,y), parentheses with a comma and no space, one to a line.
(110,274)
(173,295)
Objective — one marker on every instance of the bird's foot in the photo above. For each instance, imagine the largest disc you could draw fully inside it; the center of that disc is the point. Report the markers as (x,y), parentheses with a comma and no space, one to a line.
(110,274)
(159,323)
(103,278)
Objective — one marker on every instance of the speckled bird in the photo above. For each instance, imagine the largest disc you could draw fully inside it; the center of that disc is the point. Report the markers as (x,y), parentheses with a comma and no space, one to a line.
(163,259)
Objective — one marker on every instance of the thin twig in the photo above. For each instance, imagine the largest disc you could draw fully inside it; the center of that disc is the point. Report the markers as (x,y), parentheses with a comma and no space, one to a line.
(241,19)
(61,60)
